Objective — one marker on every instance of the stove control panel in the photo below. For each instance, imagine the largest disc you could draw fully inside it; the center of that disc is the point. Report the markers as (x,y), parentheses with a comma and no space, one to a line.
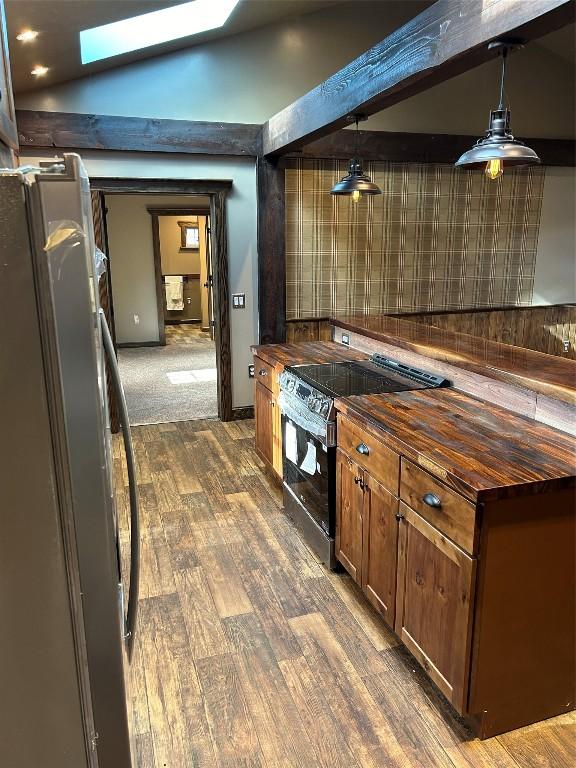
(315,401)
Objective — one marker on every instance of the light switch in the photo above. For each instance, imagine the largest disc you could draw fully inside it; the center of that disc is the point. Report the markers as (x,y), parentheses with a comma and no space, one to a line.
(238,300)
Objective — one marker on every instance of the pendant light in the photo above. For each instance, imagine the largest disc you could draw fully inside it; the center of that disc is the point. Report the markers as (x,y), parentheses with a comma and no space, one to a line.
(356,183)
(499,149)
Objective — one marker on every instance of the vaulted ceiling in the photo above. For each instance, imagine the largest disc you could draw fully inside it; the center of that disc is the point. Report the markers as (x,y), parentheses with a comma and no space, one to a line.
(59,23)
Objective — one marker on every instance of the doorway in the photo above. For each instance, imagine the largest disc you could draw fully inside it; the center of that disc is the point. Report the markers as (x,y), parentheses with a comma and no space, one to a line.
(183,267)
(169,306)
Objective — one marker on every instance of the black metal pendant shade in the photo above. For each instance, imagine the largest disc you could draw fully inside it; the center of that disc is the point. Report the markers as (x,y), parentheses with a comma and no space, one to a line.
(356,181)
(499,149)
(498,144)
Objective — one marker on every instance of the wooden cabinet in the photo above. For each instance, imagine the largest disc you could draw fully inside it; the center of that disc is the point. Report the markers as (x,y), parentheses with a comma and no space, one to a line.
(420,581)
(268,417)
(367,533)
(264,421)
(439,505)
(434,604)
(382,463)
(380,548)
(474,585)
(276,439)
(349,513)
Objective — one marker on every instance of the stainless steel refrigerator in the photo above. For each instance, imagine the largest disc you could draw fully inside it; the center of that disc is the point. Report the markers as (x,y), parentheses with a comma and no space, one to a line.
(66,631)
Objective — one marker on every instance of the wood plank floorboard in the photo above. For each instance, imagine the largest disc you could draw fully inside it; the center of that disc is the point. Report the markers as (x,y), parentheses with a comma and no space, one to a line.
(249,654)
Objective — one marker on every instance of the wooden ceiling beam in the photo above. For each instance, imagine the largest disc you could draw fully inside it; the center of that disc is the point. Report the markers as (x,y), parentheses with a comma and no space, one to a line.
(71,131)
(443,41)
(388,146)
(64,130)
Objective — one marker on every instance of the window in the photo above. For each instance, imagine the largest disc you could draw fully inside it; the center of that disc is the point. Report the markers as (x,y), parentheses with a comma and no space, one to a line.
(153,28)
(189,236)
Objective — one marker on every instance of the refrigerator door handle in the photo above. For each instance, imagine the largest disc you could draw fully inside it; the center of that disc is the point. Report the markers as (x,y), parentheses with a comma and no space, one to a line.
(132,612)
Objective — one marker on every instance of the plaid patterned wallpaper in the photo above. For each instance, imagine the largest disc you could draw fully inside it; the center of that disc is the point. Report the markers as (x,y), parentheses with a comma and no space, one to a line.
(437,238)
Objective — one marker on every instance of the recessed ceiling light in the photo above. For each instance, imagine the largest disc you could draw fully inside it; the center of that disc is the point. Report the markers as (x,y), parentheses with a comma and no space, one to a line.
(153,28)
(27,35)
(39,71)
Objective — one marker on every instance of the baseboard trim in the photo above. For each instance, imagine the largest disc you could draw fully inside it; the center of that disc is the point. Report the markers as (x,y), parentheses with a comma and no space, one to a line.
(188,321)
(243,413)
(127,344)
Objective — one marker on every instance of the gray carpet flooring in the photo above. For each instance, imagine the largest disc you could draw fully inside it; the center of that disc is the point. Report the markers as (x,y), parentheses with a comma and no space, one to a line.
(172,383)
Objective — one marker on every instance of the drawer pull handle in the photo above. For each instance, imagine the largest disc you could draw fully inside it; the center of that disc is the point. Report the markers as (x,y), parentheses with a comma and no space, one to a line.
(363,449)
(432,500)
(263,372)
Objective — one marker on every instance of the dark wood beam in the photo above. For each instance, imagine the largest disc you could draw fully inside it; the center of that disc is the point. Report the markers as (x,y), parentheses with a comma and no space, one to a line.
(122,186)
(271,251)
(66,130)
(386,146)
(445,40)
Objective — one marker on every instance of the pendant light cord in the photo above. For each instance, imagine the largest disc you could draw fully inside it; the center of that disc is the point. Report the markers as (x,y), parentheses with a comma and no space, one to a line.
(504,57)
(356,138)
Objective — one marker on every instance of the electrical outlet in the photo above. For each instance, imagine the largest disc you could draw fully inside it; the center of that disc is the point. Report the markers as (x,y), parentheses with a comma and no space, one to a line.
(346,339)
(136,319)
(250,371)
(566,345)
(238,301)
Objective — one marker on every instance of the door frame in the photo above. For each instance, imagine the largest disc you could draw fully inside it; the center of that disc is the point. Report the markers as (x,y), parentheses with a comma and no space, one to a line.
(217,191)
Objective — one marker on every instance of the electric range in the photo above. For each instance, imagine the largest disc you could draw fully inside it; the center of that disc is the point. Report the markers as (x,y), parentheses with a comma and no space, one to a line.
(306,400)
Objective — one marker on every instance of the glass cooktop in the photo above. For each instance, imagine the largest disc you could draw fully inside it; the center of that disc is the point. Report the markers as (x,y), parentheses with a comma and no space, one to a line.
(365,377)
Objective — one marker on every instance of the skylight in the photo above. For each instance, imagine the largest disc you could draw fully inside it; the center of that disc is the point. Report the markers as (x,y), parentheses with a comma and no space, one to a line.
(153,28)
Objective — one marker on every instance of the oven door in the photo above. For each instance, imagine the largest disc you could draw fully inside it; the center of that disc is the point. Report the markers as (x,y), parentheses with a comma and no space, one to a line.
(309,468)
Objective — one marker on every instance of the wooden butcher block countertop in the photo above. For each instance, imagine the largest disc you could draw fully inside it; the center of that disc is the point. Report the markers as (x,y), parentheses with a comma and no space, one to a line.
(536,371)
(483,451)
(307,352)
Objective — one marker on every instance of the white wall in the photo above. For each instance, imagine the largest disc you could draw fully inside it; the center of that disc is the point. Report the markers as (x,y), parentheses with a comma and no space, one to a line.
(132,264)
(241,209)
(555,277)
(242,78)
(174,260)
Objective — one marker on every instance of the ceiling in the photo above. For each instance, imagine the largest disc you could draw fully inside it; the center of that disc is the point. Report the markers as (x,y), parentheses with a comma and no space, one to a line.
(60,21)
(561,43)
(58,48)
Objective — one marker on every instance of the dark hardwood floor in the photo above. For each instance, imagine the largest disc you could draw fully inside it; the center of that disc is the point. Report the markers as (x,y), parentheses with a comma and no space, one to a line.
(250,654)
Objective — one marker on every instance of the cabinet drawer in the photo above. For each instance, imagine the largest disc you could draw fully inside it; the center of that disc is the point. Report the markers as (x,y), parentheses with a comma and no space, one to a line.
(451,513)
(264,373)
(382,463)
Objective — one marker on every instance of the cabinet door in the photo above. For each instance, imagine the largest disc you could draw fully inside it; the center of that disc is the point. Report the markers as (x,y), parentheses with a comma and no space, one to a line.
(434,604)
(263,414)
(349,510)
(380,550)
(276,431)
